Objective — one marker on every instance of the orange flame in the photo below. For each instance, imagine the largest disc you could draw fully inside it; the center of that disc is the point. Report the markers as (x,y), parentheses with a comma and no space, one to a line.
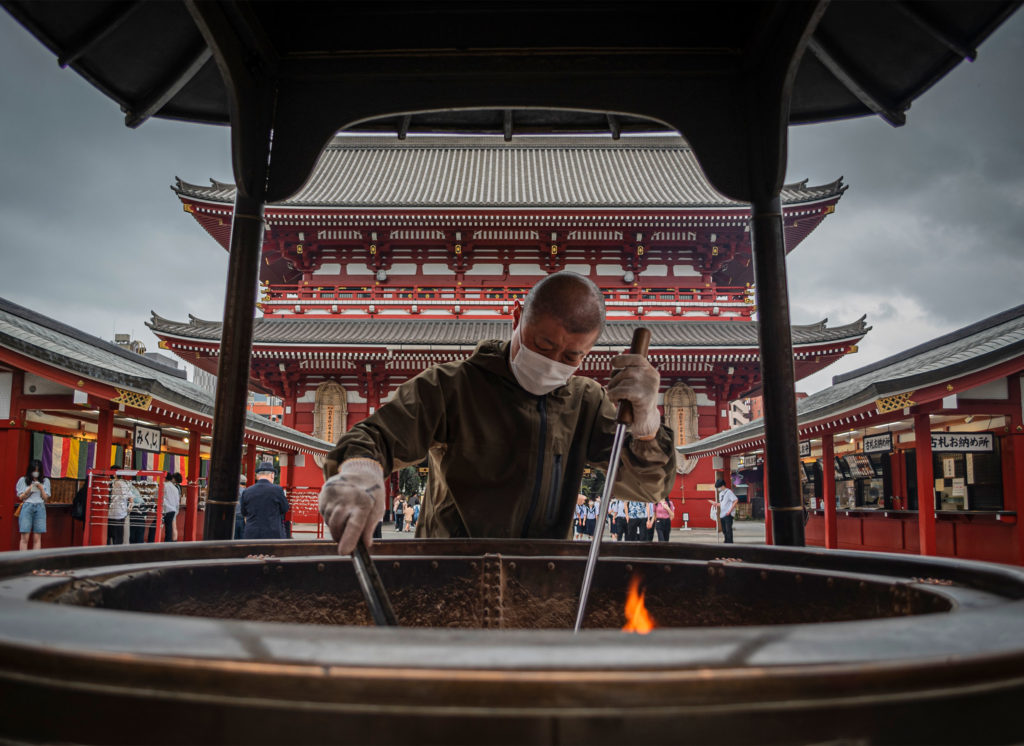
(637,618)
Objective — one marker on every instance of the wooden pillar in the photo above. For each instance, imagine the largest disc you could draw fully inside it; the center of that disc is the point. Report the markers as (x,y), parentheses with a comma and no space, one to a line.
(104,442)
(828,490)
(195,464)
(233,368)
(781,450)
(925,483)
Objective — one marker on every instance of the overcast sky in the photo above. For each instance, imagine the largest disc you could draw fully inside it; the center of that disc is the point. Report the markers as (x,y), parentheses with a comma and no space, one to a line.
(927,239)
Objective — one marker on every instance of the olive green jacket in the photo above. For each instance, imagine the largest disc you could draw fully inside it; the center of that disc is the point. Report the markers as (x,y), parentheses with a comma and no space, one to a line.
(503,462)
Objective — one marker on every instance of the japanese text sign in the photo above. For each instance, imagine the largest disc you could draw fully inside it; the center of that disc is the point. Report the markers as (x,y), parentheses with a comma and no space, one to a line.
(879,443)
(963,442)
(147,438)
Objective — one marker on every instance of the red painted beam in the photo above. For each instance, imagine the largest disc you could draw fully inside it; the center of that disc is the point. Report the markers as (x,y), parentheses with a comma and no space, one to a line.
(925,483)
(828,488)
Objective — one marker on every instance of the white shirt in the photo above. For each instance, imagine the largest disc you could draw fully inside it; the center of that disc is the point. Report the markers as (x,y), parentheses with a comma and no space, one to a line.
(172,497)
(35,496)
(726,501)
(120,499)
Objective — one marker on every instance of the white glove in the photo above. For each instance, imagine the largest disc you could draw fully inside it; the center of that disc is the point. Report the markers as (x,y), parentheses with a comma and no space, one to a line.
(638,382)
(352,502)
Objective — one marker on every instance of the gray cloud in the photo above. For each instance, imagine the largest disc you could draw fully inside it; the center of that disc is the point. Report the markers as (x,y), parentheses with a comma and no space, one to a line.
(927,239)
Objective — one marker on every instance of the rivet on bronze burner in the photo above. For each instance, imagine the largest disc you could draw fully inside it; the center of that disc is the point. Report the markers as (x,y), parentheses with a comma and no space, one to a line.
(319,566)
(395,565)
(433,564)
(551,565)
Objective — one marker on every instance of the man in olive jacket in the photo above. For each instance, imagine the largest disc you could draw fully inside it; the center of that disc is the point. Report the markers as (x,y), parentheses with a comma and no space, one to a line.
(507,432)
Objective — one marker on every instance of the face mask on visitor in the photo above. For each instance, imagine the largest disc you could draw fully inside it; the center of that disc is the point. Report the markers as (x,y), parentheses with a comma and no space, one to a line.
(536,373)
(35,475)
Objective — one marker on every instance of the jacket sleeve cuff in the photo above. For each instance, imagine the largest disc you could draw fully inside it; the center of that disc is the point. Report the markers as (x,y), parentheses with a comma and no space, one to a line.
(362,467)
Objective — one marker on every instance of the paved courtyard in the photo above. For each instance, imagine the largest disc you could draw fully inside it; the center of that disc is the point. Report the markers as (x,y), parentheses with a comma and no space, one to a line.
(744,532)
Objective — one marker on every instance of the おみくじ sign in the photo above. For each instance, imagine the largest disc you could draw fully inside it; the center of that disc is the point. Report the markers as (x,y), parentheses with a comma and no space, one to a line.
(147,438)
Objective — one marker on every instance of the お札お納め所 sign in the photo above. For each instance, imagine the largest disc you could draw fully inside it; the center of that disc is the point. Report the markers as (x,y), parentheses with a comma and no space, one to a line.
(879,443)
(964,442)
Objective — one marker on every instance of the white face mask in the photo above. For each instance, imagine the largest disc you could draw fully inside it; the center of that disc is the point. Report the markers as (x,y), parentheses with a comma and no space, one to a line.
(537,374)
(35,475)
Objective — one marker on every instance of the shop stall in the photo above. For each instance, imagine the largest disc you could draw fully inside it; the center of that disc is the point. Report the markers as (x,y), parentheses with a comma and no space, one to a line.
(78,404)
(922,452)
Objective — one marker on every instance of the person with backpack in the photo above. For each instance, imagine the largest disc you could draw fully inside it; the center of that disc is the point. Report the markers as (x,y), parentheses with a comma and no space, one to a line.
(399,510)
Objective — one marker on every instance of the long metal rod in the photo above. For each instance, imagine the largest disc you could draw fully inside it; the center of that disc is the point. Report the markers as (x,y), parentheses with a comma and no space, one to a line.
(595,545)
(373,588)
(623,417)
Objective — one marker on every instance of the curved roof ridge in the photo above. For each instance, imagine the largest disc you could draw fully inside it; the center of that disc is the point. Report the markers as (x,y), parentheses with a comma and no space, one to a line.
(954,336)
(644,173)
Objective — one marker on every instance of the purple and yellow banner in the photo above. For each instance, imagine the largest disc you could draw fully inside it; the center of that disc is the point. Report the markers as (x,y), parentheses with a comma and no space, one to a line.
(165,462)
(70,458)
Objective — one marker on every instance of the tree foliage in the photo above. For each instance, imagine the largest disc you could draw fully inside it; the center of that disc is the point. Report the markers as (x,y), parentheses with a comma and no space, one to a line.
(593,483)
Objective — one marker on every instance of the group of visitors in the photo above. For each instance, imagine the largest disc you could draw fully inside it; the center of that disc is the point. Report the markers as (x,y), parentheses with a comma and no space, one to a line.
(128,507)
(627,520)
(406,512)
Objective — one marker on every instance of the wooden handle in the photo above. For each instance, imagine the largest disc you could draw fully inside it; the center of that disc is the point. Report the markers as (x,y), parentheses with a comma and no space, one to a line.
(641,341)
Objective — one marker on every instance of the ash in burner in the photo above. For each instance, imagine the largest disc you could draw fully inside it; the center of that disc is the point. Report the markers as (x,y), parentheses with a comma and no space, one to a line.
(500,593)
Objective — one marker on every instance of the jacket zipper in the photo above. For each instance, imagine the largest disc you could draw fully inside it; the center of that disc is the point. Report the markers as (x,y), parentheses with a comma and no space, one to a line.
(556,484)
(543,410)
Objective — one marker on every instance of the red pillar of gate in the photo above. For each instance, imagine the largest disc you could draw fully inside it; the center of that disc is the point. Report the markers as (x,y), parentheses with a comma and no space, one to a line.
(768,536)
(828,490)
(288,481)
(195,465)
(249,461)
(925,483)
(1013,484)
(104,442)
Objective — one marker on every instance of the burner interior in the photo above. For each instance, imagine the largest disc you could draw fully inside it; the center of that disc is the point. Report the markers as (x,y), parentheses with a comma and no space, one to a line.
(506,592)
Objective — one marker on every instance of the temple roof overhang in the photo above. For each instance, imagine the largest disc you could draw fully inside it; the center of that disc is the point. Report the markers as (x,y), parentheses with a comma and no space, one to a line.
(913,377)
(57,346)
(437,173)
(412,334)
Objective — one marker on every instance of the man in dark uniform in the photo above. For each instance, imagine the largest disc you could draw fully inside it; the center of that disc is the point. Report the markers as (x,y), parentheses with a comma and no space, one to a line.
(264,506)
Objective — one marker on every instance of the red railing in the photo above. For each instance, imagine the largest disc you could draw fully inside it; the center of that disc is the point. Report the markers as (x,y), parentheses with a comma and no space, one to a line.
(458,300)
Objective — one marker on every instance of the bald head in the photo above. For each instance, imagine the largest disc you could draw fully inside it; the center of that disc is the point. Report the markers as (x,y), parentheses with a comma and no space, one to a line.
(571,299)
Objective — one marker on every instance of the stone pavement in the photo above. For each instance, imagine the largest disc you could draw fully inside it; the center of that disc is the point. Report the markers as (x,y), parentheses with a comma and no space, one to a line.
(744,532)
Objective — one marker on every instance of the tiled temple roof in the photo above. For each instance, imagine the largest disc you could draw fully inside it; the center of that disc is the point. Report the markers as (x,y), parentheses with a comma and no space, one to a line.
(62,346)
(481,171)
(411,333)
(973,348)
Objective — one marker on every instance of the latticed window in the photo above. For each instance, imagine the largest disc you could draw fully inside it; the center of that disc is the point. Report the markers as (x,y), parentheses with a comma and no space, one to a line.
(330,413)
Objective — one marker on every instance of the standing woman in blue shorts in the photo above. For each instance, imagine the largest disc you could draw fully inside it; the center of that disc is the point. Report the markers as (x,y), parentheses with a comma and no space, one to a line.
(33,491)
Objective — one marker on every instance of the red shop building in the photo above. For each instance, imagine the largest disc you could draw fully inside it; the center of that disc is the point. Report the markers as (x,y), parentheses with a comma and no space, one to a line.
(922,452)
(400,254)
(77,403)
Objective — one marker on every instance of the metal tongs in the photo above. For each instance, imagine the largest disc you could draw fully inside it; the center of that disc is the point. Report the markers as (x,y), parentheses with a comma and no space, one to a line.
(373,589)
(624,417)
